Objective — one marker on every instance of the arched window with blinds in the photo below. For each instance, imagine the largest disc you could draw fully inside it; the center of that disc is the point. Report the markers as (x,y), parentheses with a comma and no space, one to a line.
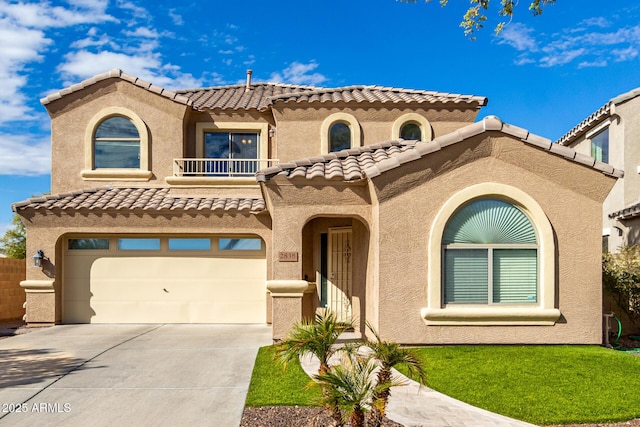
(490,254)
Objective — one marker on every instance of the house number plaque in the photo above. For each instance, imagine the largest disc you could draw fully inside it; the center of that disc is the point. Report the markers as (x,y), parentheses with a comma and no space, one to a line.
(288,256)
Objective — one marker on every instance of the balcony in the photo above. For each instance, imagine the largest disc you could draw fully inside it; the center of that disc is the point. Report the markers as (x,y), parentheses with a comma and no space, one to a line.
(212,172)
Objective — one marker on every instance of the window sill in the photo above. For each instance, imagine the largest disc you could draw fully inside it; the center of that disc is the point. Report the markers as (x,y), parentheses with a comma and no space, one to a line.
(116,174)
(490,316)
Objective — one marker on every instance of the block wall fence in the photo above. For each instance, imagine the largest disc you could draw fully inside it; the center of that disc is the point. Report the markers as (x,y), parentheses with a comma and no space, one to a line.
(12,296)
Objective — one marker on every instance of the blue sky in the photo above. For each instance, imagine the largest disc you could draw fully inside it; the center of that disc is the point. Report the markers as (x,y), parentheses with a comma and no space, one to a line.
(543,73)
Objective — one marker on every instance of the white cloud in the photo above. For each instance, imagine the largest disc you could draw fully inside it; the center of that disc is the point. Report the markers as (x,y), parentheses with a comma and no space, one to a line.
(21,155)
(42,15)
(298,73)
(561,57)
(18,46)
(136,11)
(621,55)
(175,17)
(598,21)
(145,32)
(587,64)
(518,36)
(23,40)
(148,66)
(591,40)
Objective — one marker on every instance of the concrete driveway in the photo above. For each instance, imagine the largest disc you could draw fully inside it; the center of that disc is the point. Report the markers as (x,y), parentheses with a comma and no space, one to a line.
(130,375)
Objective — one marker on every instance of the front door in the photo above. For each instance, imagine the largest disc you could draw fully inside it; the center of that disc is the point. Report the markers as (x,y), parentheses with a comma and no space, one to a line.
(339,272)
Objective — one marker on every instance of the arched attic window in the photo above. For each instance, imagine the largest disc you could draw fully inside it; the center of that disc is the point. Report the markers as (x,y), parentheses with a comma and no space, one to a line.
(338,132)
(339,137)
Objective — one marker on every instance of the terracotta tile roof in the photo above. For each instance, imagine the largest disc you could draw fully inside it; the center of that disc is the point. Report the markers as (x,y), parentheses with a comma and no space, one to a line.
(345,165)
(360,94)
(116,73)
(585,125)
(597,117)
(144,199)
(373,160)
(236,97)
(262,95)
(629,212)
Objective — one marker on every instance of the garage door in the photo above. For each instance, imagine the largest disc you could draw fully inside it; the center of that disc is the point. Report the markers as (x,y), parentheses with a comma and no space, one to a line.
(215,279)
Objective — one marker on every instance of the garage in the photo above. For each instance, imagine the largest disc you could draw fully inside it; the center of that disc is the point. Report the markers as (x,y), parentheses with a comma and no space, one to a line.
(164,279)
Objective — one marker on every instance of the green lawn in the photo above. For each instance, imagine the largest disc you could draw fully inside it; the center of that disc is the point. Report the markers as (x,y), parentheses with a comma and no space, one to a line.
(539,384)
(271,386)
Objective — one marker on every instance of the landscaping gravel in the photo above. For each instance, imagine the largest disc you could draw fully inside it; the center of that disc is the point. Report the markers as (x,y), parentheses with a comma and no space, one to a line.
(291,416)
(303,416)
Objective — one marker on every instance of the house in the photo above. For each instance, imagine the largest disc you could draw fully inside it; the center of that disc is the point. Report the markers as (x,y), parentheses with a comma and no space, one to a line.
(262,202)
(610,135)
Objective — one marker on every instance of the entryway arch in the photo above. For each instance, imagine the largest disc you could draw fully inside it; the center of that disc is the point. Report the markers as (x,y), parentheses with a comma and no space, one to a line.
(335,256)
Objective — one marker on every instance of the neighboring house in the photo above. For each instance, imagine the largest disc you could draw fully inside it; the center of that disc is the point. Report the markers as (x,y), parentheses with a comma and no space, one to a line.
(263,202)
(612,135)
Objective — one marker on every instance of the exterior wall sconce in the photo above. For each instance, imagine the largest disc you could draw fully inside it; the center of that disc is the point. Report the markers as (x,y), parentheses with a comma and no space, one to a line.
(37,258)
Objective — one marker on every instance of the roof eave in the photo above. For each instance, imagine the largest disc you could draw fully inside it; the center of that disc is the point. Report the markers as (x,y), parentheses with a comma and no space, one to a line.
(116,74)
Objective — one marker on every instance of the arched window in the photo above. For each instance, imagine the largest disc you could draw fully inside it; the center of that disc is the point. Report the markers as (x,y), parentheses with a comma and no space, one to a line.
(483,245)
(116,144)
(412,126)
(339,131)
(411,131)
(339,137)
(490,254)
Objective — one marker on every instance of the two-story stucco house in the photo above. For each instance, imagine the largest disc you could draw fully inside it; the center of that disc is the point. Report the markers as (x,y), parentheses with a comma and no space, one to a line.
(611,135)
(263,202)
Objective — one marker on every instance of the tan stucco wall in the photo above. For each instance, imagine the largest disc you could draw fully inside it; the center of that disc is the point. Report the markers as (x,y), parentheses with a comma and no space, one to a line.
(71,115)
(12,296)
(299,128)
(411,196)
(47,230)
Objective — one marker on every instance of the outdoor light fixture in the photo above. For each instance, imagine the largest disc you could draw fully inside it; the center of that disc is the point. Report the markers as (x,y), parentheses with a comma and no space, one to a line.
(37,258)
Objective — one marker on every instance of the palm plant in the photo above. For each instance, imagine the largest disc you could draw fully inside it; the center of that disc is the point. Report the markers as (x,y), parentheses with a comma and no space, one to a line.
(389,355)
(350,387)
(317,337)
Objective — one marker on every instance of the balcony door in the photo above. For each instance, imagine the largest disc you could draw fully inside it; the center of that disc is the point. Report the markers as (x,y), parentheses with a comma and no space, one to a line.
(232,153)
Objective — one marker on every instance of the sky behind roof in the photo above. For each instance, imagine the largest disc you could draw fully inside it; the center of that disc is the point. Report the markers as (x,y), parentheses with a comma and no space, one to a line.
(544,73)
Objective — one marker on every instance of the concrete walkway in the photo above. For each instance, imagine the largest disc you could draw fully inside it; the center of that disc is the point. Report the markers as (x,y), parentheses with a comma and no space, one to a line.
(128,375)
(413,406)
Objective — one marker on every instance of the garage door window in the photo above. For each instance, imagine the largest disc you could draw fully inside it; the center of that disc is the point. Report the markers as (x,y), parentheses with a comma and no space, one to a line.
(246,244)
(139,244)
(186,244)
(88,244)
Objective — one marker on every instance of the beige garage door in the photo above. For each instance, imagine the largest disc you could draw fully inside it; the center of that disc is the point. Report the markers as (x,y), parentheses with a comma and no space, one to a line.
(219,279)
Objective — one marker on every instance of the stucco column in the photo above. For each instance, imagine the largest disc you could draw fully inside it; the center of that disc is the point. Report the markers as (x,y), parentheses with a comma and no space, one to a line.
(287,304)
(40,304)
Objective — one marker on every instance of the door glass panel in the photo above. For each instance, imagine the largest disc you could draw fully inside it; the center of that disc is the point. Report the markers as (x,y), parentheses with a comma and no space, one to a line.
(216,145)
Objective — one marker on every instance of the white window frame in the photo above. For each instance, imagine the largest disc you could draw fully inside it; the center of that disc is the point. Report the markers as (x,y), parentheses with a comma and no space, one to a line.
(541,313)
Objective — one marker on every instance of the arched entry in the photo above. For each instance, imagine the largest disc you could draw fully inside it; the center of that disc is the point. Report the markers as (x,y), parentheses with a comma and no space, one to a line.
(335,253)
